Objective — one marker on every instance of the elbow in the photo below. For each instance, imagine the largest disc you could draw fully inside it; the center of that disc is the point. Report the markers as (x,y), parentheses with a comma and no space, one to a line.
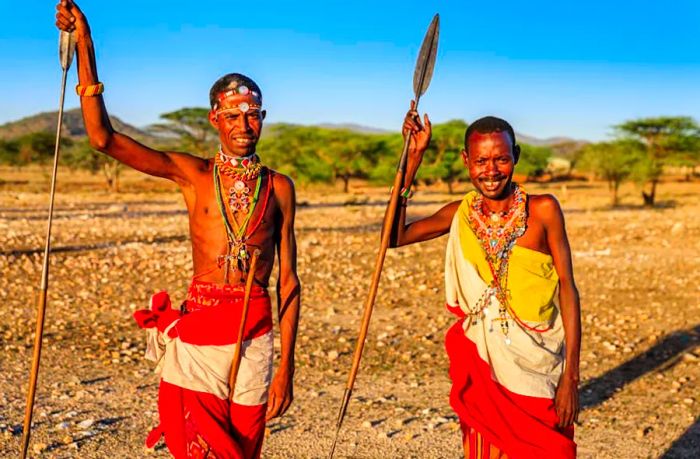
(394,241)
(289,286)
(101,142)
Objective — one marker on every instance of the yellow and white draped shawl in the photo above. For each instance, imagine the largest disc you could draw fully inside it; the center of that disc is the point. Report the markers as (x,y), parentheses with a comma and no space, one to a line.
(532,363)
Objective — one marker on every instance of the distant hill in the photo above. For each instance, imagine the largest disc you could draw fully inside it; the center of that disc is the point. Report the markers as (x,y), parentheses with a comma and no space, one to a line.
(548,142)
(354,128)
(73,126)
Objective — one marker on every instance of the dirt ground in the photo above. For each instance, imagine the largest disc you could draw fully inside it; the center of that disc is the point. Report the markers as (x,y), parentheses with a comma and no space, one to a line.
(636,269)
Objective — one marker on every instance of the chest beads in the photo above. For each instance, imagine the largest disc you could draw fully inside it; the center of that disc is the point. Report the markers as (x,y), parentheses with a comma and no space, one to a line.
(237,206)
(497,233)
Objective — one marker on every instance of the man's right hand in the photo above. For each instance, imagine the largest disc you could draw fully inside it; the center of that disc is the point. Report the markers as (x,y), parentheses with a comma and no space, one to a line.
(69,18)
(419,134)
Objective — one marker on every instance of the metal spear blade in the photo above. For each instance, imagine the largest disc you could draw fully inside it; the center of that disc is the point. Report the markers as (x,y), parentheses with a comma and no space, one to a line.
(66,48)
(426,58)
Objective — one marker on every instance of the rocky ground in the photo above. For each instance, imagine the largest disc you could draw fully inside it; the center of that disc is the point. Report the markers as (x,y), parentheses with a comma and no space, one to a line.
(636,269)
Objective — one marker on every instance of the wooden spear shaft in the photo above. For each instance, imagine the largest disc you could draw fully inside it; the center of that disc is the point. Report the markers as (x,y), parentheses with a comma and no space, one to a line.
(421,80)
(66,50)
(389,215)
(238,352)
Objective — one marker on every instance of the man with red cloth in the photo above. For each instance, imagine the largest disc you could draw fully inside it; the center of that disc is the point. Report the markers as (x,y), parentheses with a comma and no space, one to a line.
(514,352)
(235,206)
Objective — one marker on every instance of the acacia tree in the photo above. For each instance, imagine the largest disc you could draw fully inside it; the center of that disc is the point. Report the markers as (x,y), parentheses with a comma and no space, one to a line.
(348,154)
(665,138)
(443,159)
(81,155)
(190,125)
(294,150)
(533,160)
(613,162)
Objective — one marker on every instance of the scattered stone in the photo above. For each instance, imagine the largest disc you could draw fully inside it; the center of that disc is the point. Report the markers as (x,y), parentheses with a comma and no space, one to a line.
(86,424)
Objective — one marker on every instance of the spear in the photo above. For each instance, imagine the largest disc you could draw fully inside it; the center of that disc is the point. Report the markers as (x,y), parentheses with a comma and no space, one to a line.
(421,79)
(238,352)
(66,49)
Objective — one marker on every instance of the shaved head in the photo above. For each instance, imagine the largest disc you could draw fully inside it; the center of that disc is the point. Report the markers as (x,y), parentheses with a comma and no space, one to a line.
(488,125)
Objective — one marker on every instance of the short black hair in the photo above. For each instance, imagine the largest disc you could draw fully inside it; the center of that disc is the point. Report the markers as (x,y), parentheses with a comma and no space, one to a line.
(487,125)
(232,81)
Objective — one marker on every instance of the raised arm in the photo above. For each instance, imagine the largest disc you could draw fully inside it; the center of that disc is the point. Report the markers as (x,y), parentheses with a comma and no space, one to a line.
(567,400)
(174,166)
(288,298)
(437,224)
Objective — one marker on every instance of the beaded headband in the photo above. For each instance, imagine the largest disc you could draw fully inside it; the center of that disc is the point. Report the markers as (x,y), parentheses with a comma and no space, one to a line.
(241,90)
(242,107)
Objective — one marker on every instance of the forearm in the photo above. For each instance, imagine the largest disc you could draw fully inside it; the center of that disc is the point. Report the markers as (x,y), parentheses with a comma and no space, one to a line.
(398,228)
(571,318)
(288,306)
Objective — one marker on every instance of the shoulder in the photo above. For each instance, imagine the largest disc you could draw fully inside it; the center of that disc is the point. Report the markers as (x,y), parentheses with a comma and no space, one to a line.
(193,169)
(544,202)
(190,162)
(545,207)
(284,192)
(282,183)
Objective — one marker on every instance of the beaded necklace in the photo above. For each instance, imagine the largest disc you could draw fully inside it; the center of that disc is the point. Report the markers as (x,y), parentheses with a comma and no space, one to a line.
(240,170)
(497,233)
(238,234)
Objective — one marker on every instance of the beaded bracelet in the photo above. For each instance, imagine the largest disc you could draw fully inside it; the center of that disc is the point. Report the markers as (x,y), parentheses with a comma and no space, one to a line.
(406,193)
(90,90)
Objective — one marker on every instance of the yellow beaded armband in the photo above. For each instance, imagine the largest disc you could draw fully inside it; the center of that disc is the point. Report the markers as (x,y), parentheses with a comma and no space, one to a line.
(90,90)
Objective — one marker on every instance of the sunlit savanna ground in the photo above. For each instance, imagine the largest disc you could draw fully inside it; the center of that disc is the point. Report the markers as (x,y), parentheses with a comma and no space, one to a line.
(636,269)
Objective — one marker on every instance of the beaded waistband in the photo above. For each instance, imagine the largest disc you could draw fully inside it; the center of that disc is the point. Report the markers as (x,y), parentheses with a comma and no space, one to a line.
(205,294)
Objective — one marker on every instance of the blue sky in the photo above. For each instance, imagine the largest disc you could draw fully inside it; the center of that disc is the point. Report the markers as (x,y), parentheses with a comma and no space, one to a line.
(552,68)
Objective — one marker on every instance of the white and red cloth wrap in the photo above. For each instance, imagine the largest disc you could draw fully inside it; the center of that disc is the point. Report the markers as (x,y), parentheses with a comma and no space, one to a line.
(194,351)
(504,391)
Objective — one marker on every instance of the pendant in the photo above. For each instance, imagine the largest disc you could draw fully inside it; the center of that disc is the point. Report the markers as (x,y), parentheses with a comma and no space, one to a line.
(239,197)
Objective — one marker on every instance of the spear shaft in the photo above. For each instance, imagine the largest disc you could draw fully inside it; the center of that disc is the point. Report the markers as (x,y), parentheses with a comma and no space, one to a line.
(66,51)
(421,80)
(238,353)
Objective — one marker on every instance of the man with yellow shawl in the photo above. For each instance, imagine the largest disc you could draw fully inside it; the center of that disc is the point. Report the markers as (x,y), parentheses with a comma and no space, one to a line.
(514,352)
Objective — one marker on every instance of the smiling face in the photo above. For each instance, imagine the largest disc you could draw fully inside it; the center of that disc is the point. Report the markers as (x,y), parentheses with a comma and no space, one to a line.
(238,118)
(491,158)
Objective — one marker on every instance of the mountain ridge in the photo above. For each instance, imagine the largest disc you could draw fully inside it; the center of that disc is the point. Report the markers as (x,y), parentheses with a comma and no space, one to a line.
(73,127)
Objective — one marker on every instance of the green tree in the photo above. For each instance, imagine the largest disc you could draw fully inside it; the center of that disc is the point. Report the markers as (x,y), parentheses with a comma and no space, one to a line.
(533,160)
(443,159)
(349,154)
(612,161)
(294,150)
(82,156)
(387,160)
(191,126)
(313,154)
(9,152)
(665,138)
(32,148)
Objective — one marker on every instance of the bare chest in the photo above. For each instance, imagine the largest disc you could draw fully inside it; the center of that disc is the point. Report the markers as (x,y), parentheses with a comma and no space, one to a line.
(216,223)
